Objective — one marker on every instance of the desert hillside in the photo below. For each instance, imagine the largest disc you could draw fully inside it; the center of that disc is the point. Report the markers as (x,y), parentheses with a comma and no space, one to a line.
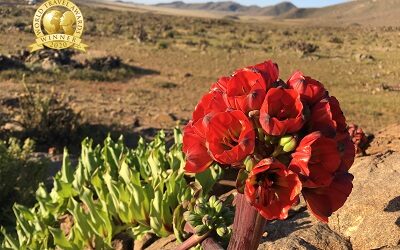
(234,7)
(364,12)
(370,12)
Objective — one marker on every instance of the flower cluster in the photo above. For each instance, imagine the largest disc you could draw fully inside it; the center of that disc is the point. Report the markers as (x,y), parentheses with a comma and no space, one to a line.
(288,138)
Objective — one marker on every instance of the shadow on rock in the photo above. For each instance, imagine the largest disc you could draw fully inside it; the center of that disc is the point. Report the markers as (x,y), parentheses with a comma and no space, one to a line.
(297,220)
(394,206)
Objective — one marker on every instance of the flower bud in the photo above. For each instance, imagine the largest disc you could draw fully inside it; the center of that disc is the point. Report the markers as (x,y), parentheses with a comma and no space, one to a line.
(194,219)
(212,200)
(201,229)
(201,208)
(218,206)
(221,231)
(249,163)
(288,143)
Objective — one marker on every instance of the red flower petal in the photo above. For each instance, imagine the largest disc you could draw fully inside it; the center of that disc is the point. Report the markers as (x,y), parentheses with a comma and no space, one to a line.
(220,85)
(269,71)
(272,189)
(317,158)
(327,117)
(281,112)
(346,149)
(230,137)
(197,157)
(324,201)
(245,91)
(311,91)
(210,103)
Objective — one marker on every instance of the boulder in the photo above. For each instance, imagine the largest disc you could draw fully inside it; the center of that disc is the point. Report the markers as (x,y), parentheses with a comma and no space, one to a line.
(371,215)
(302,231)
(13,127)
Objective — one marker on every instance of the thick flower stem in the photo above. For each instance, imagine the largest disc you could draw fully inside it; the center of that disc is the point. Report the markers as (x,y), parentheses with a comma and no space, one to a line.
(248,226)
(193,241)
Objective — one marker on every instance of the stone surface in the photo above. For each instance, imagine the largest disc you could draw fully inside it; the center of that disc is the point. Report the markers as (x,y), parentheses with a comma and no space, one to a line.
(302,231)
(318,236)
(13,127)
(386,139)
(371,215)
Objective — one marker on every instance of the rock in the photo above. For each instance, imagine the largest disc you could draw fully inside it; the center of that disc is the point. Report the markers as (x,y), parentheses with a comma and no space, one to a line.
(302,231)
(13,127)
(319,236)
(360,57)
(48,64)
(386,139)
(167,243)
(371,215)
(144,242)
(50,59)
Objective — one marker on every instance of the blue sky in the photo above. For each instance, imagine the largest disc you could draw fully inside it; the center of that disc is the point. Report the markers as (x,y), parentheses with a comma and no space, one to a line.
(299,3)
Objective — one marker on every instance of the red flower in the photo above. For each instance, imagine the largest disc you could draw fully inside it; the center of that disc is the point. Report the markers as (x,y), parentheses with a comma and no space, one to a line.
(346,149)
(209,105)
(311,91)
(317,158)
(281,112)
(323,201)
(272,189)
(268,70)
(327,117)
(230,137)
(194,147)
(220,85)
(245,91)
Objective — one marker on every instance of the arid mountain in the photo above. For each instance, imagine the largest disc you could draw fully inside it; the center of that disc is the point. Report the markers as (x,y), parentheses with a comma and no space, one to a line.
(230,6)
(369,12)
(373,12)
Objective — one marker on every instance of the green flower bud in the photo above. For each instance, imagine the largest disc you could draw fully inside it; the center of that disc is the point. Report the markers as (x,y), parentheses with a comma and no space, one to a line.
(201,229)
(285,139)
(221,231)
(218,206)
(194,219)
(250,162)
(212,200)
(201,209)
(288,143)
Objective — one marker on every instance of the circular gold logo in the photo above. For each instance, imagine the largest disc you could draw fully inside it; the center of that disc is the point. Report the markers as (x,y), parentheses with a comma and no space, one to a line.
(58,24)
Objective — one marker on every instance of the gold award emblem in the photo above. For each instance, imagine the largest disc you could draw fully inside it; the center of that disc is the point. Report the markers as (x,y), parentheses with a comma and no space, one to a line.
(63,24)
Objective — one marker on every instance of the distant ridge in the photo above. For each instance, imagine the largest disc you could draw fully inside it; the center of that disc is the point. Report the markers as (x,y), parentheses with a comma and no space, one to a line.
(230,6)
(370,12)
